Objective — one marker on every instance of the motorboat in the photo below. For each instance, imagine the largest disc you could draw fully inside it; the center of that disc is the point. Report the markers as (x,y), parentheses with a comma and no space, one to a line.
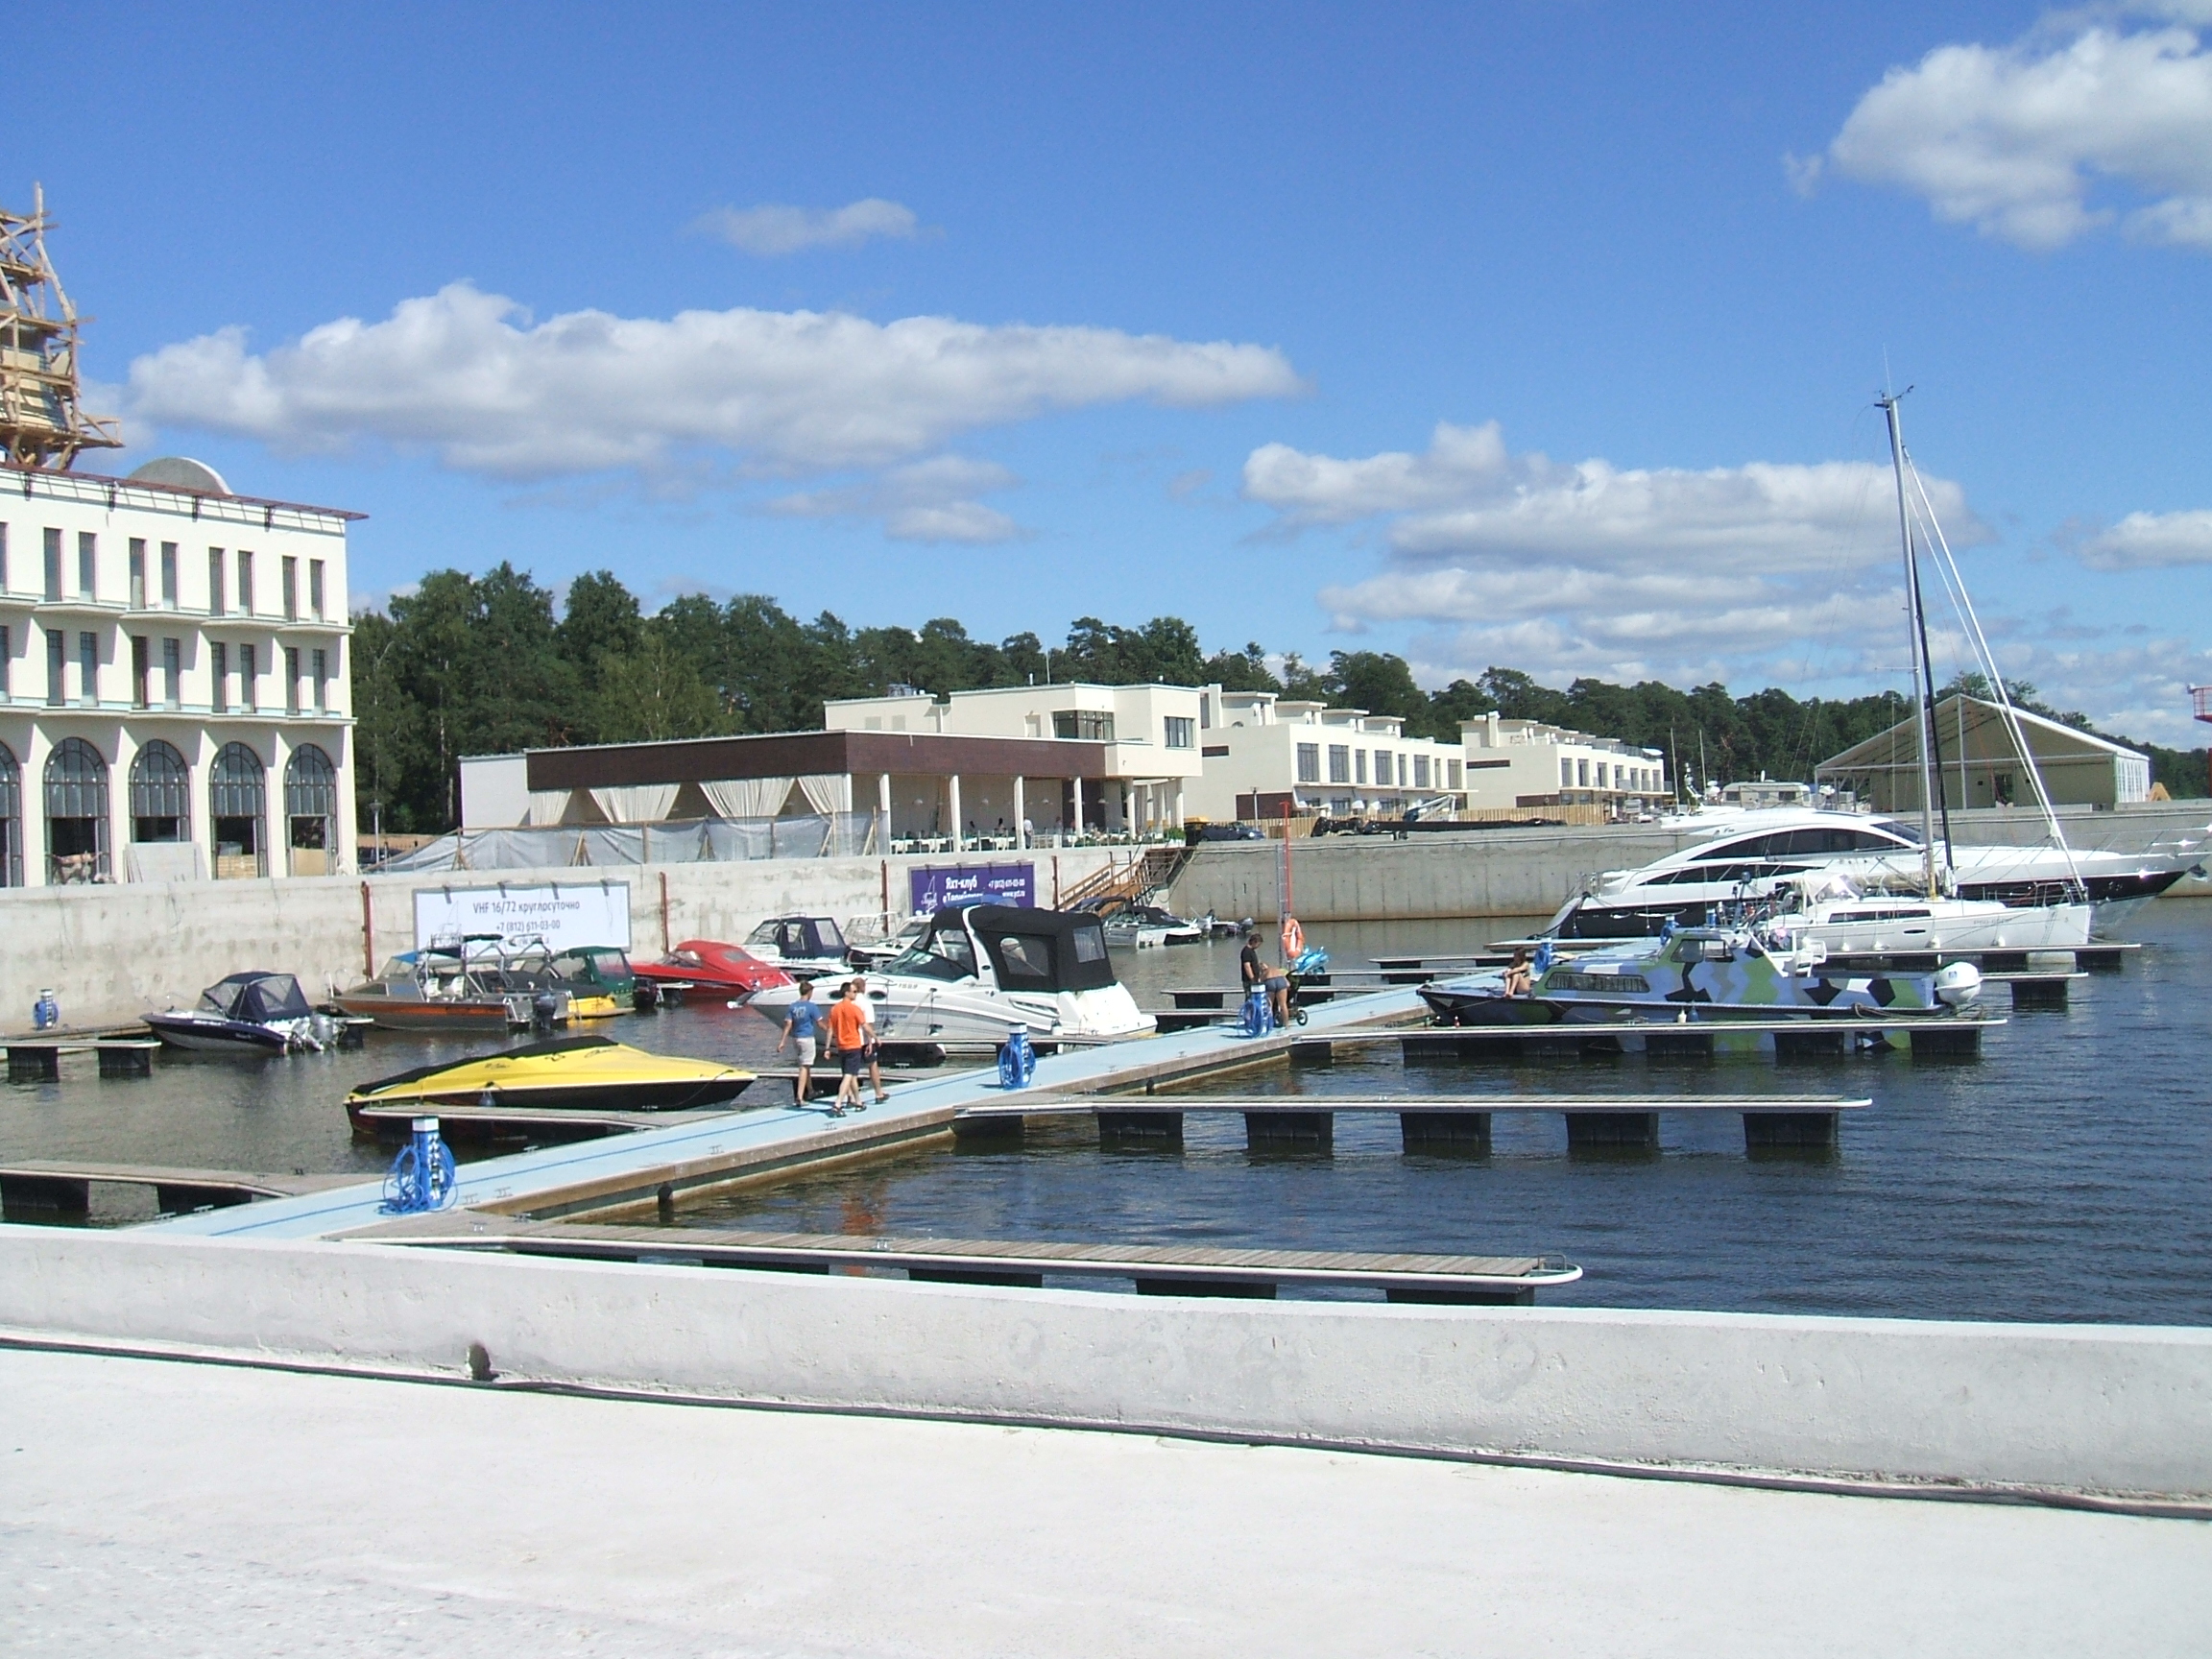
(710,969)
(1709,976)
(978,971)
(254,1012)
(573,1072)
(480,982)
(598,981)
(803,947)
(876,953)
(1751,856)
(1142,926)
(1828,910)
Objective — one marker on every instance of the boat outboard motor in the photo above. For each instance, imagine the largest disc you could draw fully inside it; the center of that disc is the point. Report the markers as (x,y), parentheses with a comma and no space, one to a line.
(1959,984)
(546,1010)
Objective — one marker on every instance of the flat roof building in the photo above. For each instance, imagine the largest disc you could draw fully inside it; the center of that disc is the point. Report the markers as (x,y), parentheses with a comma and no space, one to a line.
(1267,756)
(1529,763)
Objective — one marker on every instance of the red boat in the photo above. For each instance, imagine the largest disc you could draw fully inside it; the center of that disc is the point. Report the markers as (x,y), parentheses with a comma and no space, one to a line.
(707,968)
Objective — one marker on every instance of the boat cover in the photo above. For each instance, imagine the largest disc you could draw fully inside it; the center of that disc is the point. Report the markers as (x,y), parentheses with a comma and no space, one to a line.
(256,997)
(1037,949)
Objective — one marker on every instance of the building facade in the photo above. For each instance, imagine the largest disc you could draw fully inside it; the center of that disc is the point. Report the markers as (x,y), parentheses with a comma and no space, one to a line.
(1978,764)
(1528,764)
(1267,756)
(174,684)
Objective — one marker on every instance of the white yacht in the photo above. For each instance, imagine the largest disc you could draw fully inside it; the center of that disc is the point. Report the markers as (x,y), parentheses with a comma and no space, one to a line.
(1750,856)
(1829,915)
(979,970)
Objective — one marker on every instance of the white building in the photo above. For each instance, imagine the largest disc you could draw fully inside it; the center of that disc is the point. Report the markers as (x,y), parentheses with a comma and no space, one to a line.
(173,680)
(1528,764)
(1147,735)
(1265,755)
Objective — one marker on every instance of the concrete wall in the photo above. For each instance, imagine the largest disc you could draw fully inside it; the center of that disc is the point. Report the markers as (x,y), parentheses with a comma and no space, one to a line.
(1533,872)
(113,953)
(2077,1408)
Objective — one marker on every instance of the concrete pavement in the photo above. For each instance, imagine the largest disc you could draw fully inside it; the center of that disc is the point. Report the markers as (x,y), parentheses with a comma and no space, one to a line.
(174,1508)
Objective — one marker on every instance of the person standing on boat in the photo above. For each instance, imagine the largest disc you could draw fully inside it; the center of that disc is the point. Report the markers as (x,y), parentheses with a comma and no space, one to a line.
(858,992)
(848,1029)
(799,1028)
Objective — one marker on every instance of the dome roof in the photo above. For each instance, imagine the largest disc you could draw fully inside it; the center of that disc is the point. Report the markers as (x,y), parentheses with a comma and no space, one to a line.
(182,472)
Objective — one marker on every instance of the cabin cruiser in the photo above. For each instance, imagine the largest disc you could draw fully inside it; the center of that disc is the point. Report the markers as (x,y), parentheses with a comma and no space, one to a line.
(254,1012)
(707,968)
(1703,976)
(479,982)
(803,947)
(1141,925)
(1752,855)
(980,970)
(575,1073)
(1843,919)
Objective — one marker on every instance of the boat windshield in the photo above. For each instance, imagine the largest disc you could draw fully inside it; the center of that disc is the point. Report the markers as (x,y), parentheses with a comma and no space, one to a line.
(943,953)
(1902,831)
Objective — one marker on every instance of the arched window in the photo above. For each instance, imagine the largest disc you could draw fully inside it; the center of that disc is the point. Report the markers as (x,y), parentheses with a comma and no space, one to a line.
(161,795)
(237,803)
(311,810)
(76,814)
(11,819)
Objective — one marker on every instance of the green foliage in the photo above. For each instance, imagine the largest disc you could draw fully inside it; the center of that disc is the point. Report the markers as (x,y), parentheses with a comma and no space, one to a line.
(476,666)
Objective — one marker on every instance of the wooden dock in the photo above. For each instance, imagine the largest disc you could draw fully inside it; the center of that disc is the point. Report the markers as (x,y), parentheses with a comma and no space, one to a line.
(121,1054)
(1154,1270)
(1427,1122)
(41,1189)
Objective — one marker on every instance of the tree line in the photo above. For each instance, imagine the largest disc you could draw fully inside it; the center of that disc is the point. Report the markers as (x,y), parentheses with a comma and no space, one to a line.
(492,663)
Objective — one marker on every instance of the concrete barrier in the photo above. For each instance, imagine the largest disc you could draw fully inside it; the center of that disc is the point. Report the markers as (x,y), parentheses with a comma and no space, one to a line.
(113,952)
(2078,1408)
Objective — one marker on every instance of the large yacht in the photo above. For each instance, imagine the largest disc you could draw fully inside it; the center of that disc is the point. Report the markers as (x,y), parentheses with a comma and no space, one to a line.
(1752,856)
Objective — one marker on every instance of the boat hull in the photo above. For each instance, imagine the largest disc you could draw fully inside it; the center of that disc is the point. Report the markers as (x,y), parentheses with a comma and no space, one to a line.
(235,1037)
(405,1014)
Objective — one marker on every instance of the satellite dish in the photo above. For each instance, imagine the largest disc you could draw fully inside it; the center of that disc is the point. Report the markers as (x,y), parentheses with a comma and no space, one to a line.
(182,472)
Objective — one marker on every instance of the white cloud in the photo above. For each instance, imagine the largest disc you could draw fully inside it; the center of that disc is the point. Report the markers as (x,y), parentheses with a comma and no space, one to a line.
(774,230)
(470,377)
(1595,568)
(2149,541)
(2014,139)
(932,501)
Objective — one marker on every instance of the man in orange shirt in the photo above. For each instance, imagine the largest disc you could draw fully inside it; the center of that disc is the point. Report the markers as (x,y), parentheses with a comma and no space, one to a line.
(847,1027)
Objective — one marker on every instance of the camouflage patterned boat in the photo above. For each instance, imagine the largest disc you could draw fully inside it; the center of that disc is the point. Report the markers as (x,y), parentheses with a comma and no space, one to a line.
(1708,977)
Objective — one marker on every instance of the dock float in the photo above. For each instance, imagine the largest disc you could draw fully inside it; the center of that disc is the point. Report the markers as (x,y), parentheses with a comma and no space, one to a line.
(46,1190)
(1154,1270)
(1689,1039)
(1427,1123)
(38,1059)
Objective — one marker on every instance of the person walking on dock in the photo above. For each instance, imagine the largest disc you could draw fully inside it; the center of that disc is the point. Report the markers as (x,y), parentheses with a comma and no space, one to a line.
(858,992)
(799,1028)
(847,1027)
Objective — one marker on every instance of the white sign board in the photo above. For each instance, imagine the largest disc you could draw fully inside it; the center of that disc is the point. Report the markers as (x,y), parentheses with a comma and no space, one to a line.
(562,915)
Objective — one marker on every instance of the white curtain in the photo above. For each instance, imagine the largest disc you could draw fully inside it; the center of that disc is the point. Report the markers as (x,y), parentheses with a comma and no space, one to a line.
(636,802)
(547,807)
(747,797)
(827,792)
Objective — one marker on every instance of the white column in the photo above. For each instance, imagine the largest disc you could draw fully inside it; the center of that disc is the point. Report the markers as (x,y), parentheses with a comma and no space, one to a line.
(1077,827)
(959,841)
(1178,803)
(1019,810)
(883,809)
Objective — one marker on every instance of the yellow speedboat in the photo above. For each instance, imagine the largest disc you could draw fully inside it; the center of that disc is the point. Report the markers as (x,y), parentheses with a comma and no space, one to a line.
(578,1071)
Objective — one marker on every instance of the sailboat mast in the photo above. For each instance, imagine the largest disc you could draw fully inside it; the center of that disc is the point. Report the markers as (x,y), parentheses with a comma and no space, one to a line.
(1916,636)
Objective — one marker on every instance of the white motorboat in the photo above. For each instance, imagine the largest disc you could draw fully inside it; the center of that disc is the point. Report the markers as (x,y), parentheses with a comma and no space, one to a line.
(1830,914)
(803,947)
(1751,857)
(980,970)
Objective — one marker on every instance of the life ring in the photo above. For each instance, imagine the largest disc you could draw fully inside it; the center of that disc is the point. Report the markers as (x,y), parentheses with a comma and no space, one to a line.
(1294,938)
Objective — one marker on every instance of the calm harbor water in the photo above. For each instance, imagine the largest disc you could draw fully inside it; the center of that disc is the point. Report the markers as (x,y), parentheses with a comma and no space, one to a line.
(2066,1174)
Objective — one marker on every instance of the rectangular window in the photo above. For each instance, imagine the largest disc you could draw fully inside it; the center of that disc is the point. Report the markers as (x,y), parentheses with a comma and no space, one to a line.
(173,673)
(215,603)
(3,558)
(1383,768)
(88,564)
(321,677)
(1420,771)
(1359,765)
(1182,732)
(1309,762)
(290,569)
(53,563)
(140,670)
(315,587)
(1456,773)
(1566,774)
(291,679)
(244,583)
(1581,773)
(1088,724)
(168,575)
(1340,763)
(219,672)
(249,690)
(7,660)
(57,653)
(88,669)
(137,573)
(1205,698)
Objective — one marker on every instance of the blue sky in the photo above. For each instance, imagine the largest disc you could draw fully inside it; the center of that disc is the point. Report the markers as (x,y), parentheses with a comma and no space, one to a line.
(1202,309)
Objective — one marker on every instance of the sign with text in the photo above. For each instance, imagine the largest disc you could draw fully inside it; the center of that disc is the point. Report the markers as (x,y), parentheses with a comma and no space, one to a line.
(563,916)
(937,885)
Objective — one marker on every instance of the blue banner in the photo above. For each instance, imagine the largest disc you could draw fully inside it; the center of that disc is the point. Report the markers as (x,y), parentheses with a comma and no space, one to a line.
(937,885)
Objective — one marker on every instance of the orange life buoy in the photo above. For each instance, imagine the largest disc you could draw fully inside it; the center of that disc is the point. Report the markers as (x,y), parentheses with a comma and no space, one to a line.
(1294,938)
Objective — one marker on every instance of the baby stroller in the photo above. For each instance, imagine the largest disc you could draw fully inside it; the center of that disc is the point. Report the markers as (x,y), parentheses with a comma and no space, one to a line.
(1310,963)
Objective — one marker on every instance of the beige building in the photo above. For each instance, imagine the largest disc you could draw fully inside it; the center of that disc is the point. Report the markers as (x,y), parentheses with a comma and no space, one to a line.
(173,680)
(1266,755)
(1529,763)
(1981,764)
